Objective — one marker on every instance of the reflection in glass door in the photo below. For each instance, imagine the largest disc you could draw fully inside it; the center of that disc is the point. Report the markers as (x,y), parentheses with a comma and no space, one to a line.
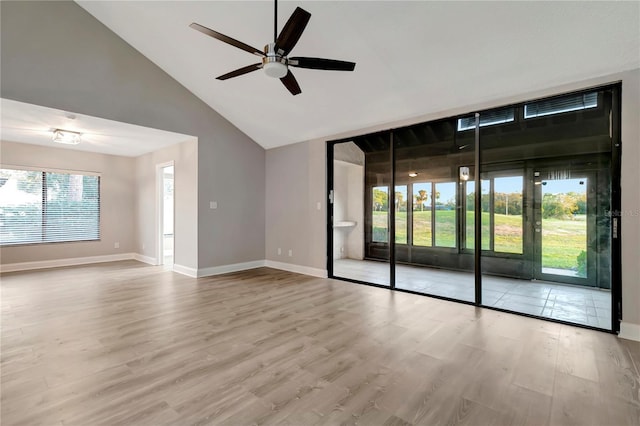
(360,214)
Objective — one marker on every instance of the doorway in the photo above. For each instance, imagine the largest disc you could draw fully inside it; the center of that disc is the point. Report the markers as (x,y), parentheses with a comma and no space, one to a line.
(166,214)
(561,229)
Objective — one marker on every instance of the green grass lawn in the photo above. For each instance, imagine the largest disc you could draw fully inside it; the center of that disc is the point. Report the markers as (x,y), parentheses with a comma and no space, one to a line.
(562,240)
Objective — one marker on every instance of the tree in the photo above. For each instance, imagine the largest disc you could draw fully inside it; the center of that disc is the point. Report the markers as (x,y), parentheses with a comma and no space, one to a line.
(421,197)
(380,200)
(559,206)
(399,201)
(514,200)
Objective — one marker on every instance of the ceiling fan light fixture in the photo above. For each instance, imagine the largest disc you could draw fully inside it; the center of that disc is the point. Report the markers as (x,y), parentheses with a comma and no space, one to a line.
(66,137)
(275,68)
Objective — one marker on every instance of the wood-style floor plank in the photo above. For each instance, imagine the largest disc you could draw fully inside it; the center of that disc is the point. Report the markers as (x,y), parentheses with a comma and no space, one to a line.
(128,343)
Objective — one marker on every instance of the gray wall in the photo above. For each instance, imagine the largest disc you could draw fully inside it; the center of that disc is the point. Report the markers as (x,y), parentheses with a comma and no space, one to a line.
(295,184)
(185,158)
(117,201)
(304,164)
(57,55)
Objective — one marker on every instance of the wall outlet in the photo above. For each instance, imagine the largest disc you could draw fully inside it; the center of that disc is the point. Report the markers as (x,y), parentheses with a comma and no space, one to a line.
(319,205)
(290,252)
(279,251)
(143,246)
(213,205)
(341,249)
(116,245)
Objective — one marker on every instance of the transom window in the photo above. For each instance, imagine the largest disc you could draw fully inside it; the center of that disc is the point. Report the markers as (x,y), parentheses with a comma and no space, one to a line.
(560,105)
(488,118)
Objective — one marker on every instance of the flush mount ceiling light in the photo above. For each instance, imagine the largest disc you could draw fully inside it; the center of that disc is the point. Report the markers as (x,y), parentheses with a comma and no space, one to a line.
(66,137)
(413,174)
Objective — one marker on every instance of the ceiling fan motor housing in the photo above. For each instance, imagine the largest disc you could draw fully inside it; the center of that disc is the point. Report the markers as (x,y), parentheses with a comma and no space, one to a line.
(274,65)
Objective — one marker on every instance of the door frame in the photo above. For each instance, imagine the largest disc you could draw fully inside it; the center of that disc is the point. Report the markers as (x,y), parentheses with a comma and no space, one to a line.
(159,228)
(536,231)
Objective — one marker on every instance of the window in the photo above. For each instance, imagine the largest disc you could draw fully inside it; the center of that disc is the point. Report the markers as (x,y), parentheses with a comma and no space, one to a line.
(502,222)
(445,214)
(422,214)
(45,207)
(487,119)
(401,214)
(380,214)
(560,105)
(507,213)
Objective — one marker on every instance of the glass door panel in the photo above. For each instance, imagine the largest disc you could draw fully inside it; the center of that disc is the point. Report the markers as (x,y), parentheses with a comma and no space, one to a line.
(431,260)
(362,209)
(547,251)
(563,228)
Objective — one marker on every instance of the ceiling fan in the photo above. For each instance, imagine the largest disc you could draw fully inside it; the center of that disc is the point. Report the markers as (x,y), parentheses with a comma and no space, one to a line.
(275,59)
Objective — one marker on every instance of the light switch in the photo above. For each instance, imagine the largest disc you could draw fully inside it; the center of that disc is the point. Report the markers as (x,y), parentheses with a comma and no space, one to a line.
(318,205)
(213,205)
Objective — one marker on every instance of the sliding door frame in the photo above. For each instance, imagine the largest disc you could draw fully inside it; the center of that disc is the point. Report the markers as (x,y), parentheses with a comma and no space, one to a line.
(615,213)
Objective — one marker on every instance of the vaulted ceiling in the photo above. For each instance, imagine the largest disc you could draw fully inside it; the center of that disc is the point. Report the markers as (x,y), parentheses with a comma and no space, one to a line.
(413,58)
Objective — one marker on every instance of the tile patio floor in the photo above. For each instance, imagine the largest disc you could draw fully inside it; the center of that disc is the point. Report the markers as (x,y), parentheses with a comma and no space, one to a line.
(580,305)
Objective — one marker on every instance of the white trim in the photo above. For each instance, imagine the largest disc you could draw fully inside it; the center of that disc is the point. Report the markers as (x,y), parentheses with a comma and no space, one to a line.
(160,210)
(145,259)
(72,261)
(306,270)
(185,270)
(629,331)
(225,269)
(50,170)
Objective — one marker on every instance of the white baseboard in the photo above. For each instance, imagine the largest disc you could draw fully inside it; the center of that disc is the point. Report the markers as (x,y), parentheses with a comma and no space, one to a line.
(225,269)
(629,331)
(306,270)
(185,270)
(145,259)
(73,261)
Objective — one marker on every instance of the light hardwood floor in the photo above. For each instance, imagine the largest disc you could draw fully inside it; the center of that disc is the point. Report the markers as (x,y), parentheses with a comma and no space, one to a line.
(126,343)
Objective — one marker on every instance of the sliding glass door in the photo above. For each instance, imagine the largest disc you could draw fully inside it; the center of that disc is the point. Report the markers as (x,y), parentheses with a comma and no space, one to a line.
(508,208)
(429,256)
(361,200)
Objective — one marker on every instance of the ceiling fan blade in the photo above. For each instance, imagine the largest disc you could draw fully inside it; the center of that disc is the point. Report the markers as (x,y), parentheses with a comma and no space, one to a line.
(292,31)
(321,64)
(240,71)
(291,84)
(226,39)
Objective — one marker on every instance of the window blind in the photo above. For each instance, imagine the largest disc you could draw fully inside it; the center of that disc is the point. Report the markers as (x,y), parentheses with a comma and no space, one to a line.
(45,207)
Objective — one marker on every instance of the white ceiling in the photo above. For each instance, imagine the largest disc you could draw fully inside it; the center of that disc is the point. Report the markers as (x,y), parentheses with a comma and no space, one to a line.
(34,124)
(413,58)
